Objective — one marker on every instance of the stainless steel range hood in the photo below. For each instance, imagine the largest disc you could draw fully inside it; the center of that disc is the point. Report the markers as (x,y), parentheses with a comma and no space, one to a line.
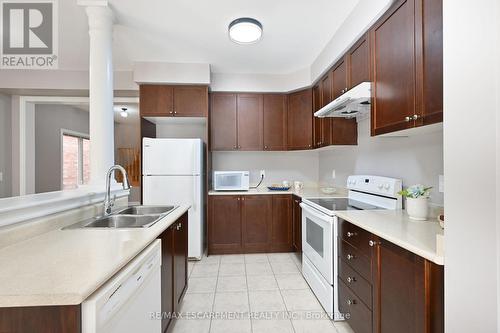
(353,103)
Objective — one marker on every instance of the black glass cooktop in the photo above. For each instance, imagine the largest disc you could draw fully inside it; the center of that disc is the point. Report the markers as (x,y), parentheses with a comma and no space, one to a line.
(342,204)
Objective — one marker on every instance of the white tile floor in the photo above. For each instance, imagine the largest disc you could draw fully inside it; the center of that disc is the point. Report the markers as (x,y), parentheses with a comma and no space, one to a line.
(256,293)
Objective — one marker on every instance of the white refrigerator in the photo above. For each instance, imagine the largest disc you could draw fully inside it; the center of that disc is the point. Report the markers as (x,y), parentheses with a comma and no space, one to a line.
(172,174)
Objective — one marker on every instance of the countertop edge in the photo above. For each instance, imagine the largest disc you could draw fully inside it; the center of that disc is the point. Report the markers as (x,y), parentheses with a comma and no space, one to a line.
(431,256)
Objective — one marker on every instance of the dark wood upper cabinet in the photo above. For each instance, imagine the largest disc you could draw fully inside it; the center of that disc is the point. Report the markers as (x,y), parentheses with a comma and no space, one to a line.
(339,78)
(300,120)
(358,62)
(326,97)
(170,101)
(191,101)
(180,252)
(250,122)
(431,31)
(256,217)
(281,239)
(223,115)
(343,131)
(317,123)
(407,66)
(224,224)
(275,121)
(156,100)
(394,81)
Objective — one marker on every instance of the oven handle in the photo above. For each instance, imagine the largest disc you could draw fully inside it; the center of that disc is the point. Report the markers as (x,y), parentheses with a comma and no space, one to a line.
(311,211)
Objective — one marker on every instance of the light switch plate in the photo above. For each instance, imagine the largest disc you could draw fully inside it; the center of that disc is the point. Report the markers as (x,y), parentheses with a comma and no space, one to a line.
(441,183)
(1,177)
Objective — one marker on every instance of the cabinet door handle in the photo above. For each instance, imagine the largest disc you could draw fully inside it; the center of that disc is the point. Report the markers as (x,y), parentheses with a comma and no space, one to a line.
(350,257)
(350,234)
(407,119)
(372,243)
(179,226)
(239,147)
(351,302)
(238,199)
(265,147)
(351,279)
(242,199)
(415,117)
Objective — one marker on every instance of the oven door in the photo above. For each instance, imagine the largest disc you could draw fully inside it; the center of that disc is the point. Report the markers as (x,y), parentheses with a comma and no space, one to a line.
(319,233)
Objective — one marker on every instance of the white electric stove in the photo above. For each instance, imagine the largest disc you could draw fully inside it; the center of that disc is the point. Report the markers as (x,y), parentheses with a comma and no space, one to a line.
(319,231)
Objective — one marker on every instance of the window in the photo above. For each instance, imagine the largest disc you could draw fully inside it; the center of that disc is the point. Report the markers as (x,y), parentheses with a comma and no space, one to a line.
(75,159)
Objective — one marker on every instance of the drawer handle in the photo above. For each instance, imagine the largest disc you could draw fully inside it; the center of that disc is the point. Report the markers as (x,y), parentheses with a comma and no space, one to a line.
(372,243)
(351,302)
(350,257)
(351,279)
(350,234)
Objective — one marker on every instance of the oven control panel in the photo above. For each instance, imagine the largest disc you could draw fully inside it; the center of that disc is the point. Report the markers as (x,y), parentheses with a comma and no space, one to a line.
(375,185)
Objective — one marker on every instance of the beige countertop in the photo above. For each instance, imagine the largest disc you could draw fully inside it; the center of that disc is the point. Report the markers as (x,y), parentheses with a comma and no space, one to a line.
(396,227)
(308,192)
(64,267)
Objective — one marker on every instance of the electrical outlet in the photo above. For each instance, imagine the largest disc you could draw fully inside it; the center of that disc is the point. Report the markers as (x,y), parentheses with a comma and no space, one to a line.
(262,173)
(441,183)
(333,174)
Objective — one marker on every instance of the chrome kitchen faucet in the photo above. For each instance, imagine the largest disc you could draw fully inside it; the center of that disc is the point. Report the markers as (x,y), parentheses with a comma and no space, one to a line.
(108,201)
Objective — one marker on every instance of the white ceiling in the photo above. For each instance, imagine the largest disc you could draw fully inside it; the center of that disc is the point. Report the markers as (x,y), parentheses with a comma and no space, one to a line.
(295,32)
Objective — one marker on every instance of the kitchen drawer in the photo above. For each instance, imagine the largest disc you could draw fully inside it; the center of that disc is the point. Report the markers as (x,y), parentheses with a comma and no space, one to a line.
(356,259)
(356,313)
(359,285)
(356,236)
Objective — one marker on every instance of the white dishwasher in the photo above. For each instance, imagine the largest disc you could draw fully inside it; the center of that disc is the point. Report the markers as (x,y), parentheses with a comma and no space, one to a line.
(131,300)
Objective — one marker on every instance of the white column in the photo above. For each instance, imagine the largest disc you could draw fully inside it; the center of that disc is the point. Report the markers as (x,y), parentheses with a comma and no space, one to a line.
(100,19)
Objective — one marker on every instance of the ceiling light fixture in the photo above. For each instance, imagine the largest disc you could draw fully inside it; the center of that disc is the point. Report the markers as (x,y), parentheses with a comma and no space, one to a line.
(245,30)
(124,113)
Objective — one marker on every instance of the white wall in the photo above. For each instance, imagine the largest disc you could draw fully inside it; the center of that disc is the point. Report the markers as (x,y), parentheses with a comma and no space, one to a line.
(181,128)
(358,21)
(279,166)
(49,120)
(471,111)
(5,146)
(261,82)
(416,159)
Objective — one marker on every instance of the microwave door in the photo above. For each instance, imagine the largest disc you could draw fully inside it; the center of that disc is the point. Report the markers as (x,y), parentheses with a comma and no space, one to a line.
(228,182)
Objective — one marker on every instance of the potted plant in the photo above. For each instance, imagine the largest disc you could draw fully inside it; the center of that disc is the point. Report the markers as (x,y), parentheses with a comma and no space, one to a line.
(417,197)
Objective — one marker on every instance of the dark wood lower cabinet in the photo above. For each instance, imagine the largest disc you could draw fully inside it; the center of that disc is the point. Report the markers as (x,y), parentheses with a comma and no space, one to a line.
(256,218)
(167,277)
(410,295)
(297,224)
(281,237)
(174,277)
(41,319)
(386,289)
(224,224)
(180,251)
(250,224)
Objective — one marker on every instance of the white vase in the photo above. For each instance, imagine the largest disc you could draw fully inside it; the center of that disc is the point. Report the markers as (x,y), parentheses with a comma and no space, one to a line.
(418,208)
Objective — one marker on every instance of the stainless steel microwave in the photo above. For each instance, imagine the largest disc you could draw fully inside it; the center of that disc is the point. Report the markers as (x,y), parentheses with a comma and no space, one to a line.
(231,180)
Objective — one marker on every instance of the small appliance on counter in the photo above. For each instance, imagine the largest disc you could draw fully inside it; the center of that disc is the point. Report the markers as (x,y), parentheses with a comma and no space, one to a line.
(231,180)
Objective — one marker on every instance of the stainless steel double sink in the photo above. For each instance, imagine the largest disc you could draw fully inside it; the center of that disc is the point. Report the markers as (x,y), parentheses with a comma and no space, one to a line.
(128,217)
